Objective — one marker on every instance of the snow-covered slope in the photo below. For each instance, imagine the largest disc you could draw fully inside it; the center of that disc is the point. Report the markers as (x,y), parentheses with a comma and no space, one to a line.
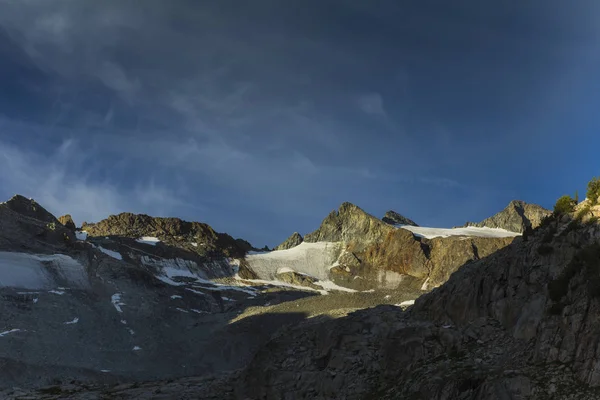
(431,233)
(30,271)
(312,259)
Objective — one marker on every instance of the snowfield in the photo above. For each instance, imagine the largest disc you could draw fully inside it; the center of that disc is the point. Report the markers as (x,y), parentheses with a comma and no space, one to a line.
(312,259)
(113,254)
(31,271)
(430,233)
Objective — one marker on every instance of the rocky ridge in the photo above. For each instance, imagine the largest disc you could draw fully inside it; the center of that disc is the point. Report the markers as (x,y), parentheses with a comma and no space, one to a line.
(194,236)
(516,217)
(393,218)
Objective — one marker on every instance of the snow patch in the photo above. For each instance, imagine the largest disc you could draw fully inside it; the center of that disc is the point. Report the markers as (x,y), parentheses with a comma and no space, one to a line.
(194,244)
(58,292)
(406,303)
(329,285)
(152,241)
(2,334)
(136,348)
(198,311)
(72,322)
(32,271)
(283,270)
(430,233)
(116,301)
(81,235)
(176,296)
(113,254)
(35,300)
(182,310)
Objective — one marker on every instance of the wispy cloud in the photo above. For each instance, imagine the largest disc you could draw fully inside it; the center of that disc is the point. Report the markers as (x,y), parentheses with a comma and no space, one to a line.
(372,104)
(59,180)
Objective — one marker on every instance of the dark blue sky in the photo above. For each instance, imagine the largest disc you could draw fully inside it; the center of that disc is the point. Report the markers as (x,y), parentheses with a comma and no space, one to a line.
(261,117)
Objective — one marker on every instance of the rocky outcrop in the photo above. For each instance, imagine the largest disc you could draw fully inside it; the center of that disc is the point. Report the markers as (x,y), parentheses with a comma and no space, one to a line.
(193,236)
(516,217)
(25,226)
(67,221)
(350,224)
(393,218)
(290,242)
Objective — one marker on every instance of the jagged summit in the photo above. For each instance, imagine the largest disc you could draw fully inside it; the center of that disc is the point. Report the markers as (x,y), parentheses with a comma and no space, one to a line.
(294,240)
(67,221)
(29,208)
(393,218)
(349,222)
(516,217)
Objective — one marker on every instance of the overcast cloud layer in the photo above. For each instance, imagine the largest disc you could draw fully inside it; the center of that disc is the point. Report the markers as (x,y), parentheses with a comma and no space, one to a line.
(261,117)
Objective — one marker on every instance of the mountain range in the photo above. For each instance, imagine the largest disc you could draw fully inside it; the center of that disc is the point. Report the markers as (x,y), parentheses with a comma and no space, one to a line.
(142,307)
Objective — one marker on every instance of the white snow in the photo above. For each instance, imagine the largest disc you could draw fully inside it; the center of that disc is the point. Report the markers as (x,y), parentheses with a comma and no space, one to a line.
(194,244)
(105,370)
(124,322)
(407,303)
(116,301)
(329,285)
(81,235)
(182,310)
(152,241)
(58,292)
(136,348)
(430,233)
(9,332)
(283,270)
(175,296)
(131,331)
(33,271)
(198,311)
(35,300)
(312,259)
(74,321)
(111,253)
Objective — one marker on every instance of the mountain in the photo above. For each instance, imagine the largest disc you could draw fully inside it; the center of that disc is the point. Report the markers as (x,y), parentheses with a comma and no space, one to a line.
(393,218)
(158,299)
(355,250)
(519,324)
(516,217)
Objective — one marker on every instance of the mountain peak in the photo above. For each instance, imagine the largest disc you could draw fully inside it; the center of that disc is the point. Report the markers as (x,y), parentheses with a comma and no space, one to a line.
(347,223)
(30,208)
(294,240)
(516,217)
(393,218)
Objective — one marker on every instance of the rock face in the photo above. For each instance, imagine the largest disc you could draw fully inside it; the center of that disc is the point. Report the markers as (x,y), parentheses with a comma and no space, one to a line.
(194,236)
(393,218)
(350,224)
(68,222)
(516,217)
(290,242)
(377,254)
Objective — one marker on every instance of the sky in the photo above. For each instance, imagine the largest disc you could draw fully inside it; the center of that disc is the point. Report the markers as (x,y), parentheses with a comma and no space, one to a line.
(262,117)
